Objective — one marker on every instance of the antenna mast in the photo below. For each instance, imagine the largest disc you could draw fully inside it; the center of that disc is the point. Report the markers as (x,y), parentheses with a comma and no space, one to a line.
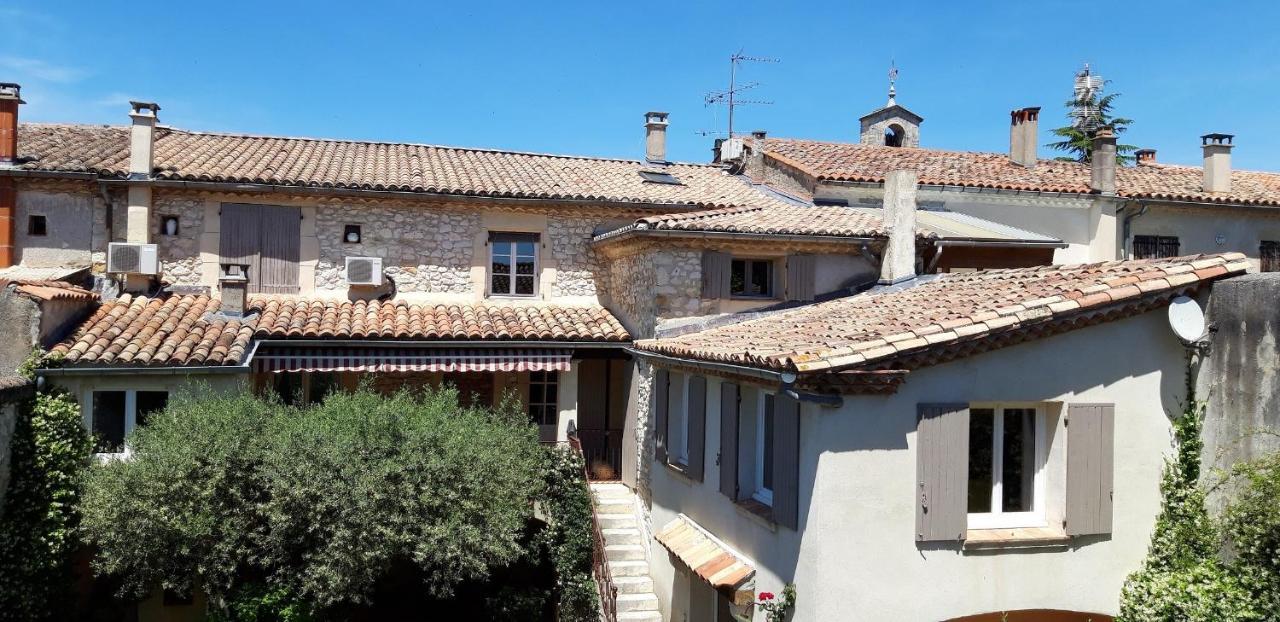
(730,97)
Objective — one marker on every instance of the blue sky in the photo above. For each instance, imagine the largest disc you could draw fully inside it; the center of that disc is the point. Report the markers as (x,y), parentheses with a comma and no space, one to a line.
(577,77)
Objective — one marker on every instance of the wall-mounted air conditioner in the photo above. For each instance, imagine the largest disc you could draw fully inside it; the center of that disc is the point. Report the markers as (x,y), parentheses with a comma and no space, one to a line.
(731,149)
(364,271)
(129,258)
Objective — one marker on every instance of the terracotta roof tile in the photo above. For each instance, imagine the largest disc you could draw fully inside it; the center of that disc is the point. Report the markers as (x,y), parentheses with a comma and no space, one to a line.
(181,330)
(817,220)
(889,322)
(48,290)
(707,557)
(319,163)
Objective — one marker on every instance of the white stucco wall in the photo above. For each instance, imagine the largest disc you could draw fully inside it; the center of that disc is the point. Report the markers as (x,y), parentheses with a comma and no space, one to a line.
(1198,228)
(855,556)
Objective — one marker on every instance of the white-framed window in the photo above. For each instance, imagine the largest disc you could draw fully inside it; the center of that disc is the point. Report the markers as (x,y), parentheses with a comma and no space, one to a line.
(544,390)
(113,415)
(751,278)
(678,420)
(513,264)
(1007,455)
(763,481)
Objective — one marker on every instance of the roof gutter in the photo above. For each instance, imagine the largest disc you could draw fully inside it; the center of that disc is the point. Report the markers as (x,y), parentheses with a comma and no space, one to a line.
(998,243)
(190,370)
(784,379)
(736,235)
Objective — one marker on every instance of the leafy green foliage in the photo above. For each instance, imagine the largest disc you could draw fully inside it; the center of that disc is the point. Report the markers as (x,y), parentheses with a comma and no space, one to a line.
(49,450)
(257,603)
(569,537)
(1078,142)
(1252,526)
(263,506)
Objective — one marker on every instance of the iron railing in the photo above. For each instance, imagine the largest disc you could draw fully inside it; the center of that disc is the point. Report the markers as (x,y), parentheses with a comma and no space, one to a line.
(602,451)
(599,564)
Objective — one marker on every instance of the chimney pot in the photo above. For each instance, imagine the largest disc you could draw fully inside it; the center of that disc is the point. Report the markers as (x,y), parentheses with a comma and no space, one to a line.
(1102,162)
(1146,156)
(899,261)
(1023,126)
(759,134)
(655,136)
(1217,161)
(233,287)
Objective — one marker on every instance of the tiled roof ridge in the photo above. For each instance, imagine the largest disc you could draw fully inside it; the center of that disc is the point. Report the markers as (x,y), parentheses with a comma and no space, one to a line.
(351,141)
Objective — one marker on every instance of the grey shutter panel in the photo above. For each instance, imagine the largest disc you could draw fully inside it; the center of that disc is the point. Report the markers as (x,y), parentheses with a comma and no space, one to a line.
(729,440)
(800,275)
(715,274)
(661,379)
(1090,451)
(786,461)
(697,431)
(942,471)
(238,237)
(281,246)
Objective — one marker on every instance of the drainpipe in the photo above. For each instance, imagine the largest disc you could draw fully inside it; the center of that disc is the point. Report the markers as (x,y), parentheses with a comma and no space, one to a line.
(1127,228)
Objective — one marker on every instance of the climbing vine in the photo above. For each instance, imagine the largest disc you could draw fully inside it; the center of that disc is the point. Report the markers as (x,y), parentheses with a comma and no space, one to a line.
(569,538)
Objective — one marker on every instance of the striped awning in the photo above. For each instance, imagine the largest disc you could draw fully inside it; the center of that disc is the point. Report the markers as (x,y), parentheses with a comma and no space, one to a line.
(411,359)
(709,558)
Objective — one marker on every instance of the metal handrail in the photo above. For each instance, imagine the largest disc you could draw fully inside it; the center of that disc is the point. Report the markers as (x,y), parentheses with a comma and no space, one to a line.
(599,564)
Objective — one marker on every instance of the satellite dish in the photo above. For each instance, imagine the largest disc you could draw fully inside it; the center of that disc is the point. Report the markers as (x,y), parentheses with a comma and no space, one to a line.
(1186,319)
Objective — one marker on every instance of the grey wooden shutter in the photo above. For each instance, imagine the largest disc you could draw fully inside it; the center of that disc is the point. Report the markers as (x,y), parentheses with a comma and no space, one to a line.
(697,430)
(238,237)
(661,386)
(786,461)
(942,471)
(800,275)
(715,274)
(1090,451)
(729,440)
(280,249)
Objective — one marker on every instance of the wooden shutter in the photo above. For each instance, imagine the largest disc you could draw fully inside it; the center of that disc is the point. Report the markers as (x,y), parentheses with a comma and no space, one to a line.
(238,237)
(942,471)
(661,386)
(786,461)
(800,275)
(697,430)
(1090,451)
(280,248)
(729,440)
(715,274)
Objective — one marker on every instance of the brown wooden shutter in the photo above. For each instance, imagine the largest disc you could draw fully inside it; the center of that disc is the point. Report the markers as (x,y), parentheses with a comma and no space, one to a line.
(800,276)
(942,471)
(661,388)
(729,440)
(1090,451)
(786,461)
(238,237)
(715,274)
(281,246)
(697,430)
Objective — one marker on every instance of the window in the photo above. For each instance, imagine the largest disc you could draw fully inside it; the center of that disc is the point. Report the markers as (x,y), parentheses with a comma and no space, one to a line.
(37,225)
(678,424)
(1006,467)
(751,278)
(1269,256)
(543,397)
(764,450)
(1154,246)
(513,261)
(351,234)
(115,414)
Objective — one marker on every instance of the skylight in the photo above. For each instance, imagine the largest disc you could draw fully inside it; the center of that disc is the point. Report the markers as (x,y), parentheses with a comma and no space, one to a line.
(660,177)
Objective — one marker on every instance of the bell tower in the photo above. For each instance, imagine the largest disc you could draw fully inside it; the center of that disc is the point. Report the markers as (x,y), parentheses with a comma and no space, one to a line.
(892,125)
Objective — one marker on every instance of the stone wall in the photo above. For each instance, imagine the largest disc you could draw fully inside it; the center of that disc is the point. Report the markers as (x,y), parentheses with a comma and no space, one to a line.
(786,178)
(179,254)
(68,216)
(872,129)
(423,249)
(578,268)
(655,285)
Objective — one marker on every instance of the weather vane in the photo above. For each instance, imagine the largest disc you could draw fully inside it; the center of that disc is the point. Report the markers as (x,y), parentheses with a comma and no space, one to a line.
(893,77)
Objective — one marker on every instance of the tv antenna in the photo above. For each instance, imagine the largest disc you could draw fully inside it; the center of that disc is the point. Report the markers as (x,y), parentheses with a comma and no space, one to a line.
(730,97)
(1085,114)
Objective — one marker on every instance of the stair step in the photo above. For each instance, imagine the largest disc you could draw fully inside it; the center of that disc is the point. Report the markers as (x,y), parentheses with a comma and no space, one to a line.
(613,506)
(623,552)
(637,602)
(641,616)
(621,535)
(628,568)
(612,491)
(617,521)
(634,585)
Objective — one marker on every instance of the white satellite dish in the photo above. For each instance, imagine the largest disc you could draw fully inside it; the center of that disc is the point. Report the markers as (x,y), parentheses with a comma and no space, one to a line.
(1186,319)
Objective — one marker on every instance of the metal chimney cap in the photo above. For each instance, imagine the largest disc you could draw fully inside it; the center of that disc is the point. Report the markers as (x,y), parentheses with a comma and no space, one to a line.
(11,90)
(1216,139)
(139,107)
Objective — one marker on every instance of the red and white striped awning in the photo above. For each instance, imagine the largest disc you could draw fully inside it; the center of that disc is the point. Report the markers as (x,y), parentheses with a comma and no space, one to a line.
(411,359)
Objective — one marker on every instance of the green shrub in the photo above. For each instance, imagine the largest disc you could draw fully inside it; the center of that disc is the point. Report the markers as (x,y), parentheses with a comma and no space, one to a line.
(569,537)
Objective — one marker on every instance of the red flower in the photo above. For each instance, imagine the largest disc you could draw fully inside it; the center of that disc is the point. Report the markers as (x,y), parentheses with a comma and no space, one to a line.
(766,595)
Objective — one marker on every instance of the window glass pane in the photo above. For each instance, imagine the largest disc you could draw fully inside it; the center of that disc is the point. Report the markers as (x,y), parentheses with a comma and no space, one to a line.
(524,249)
(501,264)
(981,439)
(108,421)
(148,402)
(551,393)
(501,284)
(524,265)
(760,284)
(766,459)
(524,285)
(535,393)
(1018,448)
(738,277)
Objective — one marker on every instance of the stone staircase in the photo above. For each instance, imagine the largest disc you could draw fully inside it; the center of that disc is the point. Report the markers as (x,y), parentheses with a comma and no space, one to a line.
(625,552)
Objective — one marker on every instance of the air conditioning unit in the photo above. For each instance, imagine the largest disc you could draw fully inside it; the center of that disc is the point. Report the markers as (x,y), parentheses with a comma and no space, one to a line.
(130,258)
(731,149)
(364,271)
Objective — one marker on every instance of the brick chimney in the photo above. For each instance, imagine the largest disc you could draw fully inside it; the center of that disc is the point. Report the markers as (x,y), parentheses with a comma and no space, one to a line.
(1145,156)
(1102,173)
(1022,135)
(655,137)
(142,138)
(1217,162)
(899,261)
(9,101)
